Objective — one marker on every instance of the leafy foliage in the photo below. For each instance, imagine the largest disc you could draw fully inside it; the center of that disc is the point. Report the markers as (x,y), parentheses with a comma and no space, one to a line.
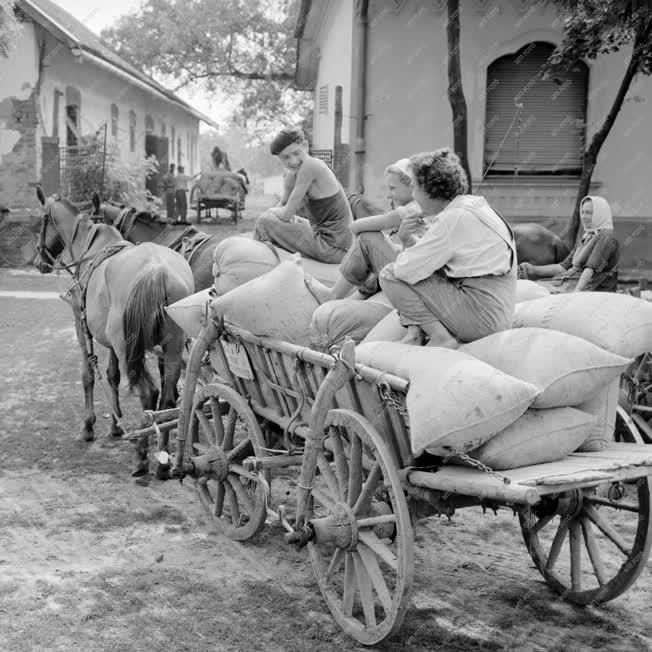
(90,169)
(9,27)
(241,47)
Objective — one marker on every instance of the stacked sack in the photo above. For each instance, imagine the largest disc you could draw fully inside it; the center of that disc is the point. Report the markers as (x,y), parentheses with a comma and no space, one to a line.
(617,323)
(512,399)
(335,321)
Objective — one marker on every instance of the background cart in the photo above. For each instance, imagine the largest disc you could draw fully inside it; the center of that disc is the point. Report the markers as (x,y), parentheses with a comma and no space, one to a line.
(274,408)
(218,189)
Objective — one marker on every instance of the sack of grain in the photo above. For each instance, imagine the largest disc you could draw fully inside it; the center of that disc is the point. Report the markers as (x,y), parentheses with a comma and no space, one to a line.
(527,290)
(603,405)
(189,312)
(615,322)
(454,401)
(237,260)
(567,368)
(334,321)
(388,329)
(538,436)
(277,304)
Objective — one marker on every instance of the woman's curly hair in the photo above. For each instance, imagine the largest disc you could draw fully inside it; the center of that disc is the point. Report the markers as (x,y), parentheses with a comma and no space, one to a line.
(439,174)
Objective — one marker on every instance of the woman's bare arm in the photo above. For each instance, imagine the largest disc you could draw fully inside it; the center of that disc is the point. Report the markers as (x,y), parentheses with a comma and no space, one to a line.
(388,220)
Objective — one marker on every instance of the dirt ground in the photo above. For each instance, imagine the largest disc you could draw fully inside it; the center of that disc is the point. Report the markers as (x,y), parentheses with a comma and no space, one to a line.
(90,560)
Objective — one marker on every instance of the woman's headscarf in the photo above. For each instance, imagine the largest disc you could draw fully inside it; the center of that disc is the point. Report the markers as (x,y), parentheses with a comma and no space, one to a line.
(602,218)
(600,221)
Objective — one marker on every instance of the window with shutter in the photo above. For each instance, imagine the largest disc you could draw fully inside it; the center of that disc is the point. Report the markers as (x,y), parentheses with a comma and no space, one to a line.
(548,135)
(323,99)
(114,120)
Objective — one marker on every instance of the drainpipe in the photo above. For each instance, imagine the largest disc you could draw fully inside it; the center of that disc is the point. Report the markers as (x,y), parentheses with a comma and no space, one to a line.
(362,10)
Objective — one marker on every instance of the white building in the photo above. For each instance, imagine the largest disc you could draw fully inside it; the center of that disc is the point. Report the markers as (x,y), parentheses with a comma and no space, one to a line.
(61,83)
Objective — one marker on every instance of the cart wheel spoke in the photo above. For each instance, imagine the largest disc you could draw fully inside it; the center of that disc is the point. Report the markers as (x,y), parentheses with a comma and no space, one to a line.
(349,586)
(575,542)
(373,569)
(355,469)
(379,548)
(557,543)
(341,465)
(243,499)
(205,425)
(606,528)
(335,563)
(323,498)
(232,502)
(217,420)
(239,450)
(594,551)
(329,475)
(231,421)
(218,505)
(365,589)
(371,484)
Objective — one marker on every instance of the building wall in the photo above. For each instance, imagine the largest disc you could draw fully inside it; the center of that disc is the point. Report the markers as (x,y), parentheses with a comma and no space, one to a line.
(18,119)
(335,42)
(26,117)
(408,109)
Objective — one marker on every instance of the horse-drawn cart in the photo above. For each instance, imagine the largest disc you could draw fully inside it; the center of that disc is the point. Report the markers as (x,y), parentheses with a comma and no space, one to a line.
(343,427)
(219,189)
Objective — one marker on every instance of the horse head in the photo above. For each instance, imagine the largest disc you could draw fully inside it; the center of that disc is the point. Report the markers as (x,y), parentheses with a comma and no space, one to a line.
(58,213)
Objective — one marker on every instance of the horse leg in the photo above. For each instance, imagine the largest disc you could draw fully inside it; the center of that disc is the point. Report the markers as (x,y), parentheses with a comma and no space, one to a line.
(113,376)
(86,432)
(173,346)
(148,394)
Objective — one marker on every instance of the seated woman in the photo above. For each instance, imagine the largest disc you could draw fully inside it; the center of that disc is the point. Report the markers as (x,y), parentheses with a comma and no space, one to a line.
(593,263)
(372,249)
(326,234)
(457,283)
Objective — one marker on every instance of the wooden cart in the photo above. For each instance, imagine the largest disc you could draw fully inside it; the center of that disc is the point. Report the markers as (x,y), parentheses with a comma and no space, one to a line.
(211,192)
(359,492)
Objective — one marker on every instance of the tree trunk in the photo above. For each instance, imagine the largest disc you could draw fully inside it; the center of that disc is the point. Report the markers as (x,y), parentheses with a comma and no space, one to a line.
(590,156)
(455,90)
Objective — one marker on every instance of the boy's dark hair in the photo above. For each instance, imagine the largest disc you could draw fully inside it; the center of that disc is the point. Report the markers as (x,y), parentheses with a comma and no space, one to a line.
(181,168)
(440,173)
(172,167)
(284,138)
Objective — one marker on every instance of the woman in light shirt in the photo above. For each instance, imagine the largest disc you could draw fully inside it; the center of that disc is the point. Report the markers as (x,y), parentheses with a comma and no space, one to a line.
(456,283)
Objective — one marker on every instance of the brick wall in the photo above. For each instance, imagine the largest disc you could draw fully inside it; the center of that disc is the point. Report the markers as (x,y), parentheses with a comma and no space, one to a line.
(18,236)
(18,167)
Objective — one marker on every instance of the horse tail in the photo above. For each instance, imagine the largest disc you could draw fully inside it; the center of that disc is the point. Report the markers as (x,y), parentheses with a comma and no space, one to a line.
(561,250)
(144,319)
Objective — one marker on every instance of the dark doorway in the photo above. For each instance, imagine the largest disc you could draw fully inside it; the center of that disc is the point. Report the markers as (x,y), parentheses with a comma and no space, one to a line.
(156,146)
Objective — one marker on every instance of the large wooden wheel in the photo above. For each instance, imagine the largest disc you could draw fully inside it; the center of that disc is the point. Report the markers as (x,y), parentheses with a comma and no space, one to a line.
(234,498)
(363,550)
(590,545)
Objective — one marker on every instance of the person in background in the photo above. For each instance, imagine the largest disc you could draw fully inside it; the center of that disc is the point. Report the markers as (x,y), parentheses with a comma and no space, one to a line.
(182,181)
(456,283)
(326,234)
(593,263)
(169,183)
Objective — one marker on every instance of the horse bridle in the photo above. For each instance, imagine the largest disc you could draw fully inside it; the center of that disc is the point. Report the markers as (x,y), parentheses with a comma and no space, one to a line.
(46,256)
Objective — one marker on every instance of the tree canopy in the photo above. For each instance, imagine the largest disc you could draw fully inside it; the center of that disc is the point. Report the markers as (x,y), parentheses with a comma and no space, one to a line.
(243,47)
(592,28)
(9,27)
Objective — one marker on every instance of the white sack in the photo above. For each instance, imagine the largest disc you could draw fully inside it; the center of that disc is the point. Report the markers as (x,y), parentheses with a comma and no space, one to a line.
(603,405)
(538,436)
(454,400)
(237,260)
(527,290)
(189,312)
(615,322)
(277,304)
(568,368)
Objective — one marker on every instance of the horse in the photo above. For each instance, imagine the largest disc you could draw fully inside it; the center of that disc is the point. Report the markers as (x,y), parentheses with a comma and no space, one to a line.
(538,245)
(118,297)
(142,226)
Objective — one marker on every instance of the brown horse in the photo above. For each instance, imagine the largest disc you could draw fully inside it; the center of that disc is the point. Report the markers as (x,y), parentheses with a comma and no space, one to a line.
(141,226)
(118,297)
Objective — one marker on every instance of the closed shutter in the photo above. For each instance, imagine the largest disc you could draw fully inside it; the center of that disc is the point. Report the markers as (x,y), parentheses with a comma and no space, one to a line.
(552,124)
(323,99)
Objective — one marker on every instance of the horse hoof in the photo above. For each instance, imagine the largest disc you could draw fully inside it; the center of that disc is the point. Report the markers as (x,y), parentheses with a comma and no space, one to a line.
(118,433)
(140,470)
(143,480)
(85,435)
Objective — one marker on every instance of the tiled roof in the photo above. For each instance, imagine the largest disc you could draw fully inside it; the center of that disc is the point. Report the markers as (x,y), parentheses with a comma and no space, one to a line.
(71,31)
